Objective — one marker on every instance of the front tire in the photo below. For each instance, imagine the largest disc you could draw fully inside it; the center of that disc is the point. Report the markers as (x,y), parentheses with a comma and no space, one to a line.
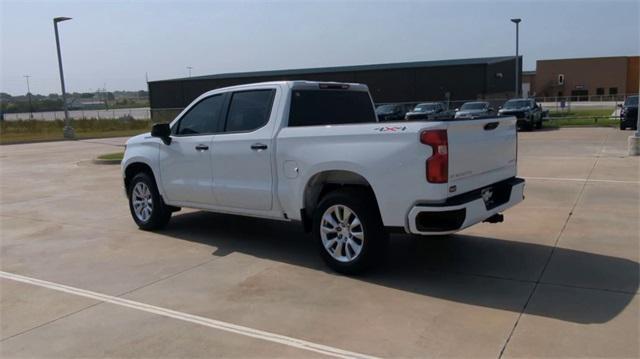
(539,124)
(145,203)
(348,230)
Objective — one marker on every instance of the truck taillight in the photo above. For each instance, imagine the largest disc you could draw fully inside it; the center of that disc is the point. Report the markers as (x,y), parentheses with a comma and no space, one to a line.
(438,163)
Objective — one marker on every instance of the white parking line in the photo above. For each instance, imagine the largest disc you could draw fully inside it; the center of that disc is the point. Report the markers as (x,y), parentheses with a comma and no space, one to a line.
(212,323)
(578,180)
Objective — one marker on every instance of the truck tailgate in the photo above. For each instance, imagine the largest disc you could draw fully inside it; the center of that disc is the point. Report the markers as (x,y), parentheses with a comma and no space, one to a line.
(481,152)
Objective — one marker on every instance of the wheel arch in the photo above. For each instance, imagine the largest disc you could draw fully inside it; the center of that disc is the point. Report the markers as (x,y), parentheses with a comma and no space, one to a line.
(134,168)
(326,181)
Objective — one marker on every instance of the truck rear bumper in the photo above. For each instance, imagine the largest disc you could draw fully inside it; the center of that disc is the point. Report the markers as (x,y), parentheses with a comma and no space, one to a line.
(464,210)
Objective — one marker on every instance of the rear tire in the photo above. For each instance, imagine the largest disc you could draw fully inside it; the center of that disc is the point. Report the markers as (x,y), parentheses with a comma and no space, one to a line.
(145,203)
(526,126)
(348,230)
(531,125)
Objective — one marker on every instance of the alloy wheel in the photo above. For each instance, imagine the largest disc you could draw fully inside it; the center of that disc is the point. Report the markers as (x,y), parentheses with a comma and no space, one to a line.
(142,201)
(342,233)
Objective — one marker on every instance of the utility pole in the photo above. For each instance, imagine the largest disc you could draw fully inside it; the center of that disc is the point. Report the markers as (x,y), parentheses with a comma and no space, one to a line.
(106,95)
(189,68)
(517,22)
(68,131)
(29,95)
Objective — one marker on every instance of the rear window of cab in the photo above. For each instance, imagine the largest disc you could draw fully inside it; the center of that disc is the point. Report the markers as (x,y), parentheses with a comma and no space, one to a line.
(330,107)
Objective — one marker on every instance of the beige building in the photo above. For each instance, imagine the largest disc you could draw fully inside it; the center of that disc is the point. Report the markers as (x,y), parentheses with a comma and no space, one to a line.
(603,78)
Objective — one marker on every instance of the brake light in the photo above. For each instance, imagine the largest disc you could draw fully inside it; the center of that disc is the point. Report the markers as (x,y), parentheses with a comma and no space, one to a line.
(438,164)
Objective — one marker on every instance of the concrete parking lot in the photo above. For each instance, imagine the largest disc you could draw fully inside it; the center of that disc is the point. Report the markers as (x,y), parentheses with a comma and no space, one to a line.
(558,278)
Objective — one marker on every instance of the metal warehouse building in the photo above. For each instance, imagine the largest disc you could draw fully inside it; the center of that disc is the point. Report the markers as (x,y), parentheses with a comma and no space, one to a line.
(454,80)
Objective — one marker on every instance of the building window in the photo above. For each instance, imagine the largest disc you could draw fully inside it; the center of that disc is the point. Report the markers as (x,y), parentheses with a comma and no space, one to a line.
(560,79)
(600,91)
(580,95)
(613,90)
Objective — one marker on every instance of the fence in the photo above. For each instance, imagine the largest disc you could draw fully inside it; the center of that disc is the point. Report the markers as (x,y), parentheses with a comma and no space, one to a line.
(554,104)
(135,113)
(164,115)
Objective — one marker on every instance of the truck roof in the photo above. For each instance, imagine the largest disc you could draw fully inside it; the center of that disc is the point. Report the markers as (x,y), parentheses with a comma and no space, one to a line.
(299,85)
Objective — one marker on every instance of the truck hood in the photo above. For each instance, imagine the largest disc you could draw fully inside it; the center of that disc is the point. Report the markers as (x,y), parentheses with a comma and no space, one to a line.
(469,112)
(421,113)
(509,110)
(139,138)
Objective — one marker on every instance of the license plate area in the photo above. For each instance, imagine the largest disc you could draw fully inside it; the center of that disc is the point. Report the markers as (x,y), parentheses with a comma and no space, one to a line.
(487,196)
(496,195)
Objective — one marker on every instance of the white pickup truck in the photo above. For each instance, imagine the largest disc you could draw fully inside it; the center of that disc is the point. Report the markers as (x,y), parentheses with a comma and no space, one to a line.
(315,153)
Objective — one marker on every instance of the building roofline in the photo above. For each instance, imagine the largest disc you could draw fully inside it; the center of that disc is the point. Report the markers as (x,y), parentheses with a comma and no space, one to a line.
(588,58)
(386,66)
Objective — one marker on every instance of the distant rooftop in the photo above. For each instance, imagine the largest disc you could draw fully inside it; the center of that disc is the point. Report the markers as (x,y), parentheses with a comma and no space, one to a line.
(589,58)
(398,65)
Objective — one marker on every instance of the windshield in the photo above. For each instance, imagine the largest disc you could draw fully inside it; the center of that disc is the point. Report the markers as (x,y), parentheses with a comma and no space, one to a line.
(631,101)
(517,104)
(474,106)
(386,109)
(424,107)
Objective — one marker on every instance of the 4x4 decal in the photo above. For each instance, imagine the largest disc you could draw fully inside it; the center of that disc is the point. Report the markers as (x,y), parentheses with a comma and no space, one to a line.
(391,129)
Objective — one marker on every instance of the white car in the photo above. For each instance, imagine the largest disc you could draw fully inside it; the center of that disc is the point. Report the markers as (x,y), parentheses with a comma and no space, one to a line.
(314,153)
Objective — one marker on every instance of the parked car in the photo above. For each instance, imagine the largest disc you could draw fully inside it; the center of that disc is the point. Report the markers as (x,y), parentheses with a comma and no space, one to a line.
(392,112)
(429,111)
(315,153)
(527,111)
(629,113)
(474,110)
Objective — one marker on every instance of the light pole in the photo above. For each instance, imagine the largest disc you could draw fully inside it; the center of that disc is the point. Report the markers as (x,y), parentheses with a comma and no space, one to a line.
(29,95)
(189,68)
(68,131)
(517,22)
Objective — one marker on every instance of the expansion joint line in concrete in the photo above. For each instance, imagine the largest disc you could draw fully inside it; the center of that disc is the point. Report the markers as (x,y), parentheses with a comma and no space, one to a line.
(555,245)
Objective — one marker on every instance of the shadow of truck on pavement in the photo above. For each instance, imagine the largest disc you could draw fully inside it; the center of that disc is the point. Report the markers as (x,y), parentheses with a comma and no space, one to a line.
(432,266)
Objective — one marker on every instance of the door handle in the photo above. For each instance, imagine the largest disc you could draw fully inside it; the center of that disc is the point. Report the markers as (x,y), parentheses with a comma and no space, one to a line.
(258,146)
(491,126)
(202,147)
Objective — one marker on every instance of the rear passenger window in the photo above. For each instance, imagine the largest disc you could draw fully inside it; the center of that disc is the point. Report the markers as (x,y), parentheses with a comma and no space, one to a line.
(249,110)
(203,118)
(330,107)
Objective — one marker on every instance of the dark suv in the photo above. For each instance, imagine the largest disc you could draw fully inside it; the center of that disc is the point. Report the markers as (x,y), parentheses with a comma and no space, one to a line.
(629,113)
(392,112)
(527,111)
(429,111)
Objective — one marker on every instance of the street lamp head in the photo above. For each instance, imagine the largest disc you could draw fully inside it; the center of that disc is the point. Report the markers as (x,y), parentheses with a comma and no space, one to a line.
(516,20)
(60,19)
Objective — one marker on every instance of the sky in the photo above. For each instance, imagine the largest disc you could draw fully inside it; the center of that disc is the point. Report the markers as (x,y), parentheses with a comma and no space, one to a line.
(116,44)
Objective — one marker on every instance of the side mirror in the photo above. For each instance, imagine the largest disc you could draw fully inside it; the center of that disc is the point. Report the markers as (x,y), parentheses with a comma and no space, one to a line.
(162,131)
